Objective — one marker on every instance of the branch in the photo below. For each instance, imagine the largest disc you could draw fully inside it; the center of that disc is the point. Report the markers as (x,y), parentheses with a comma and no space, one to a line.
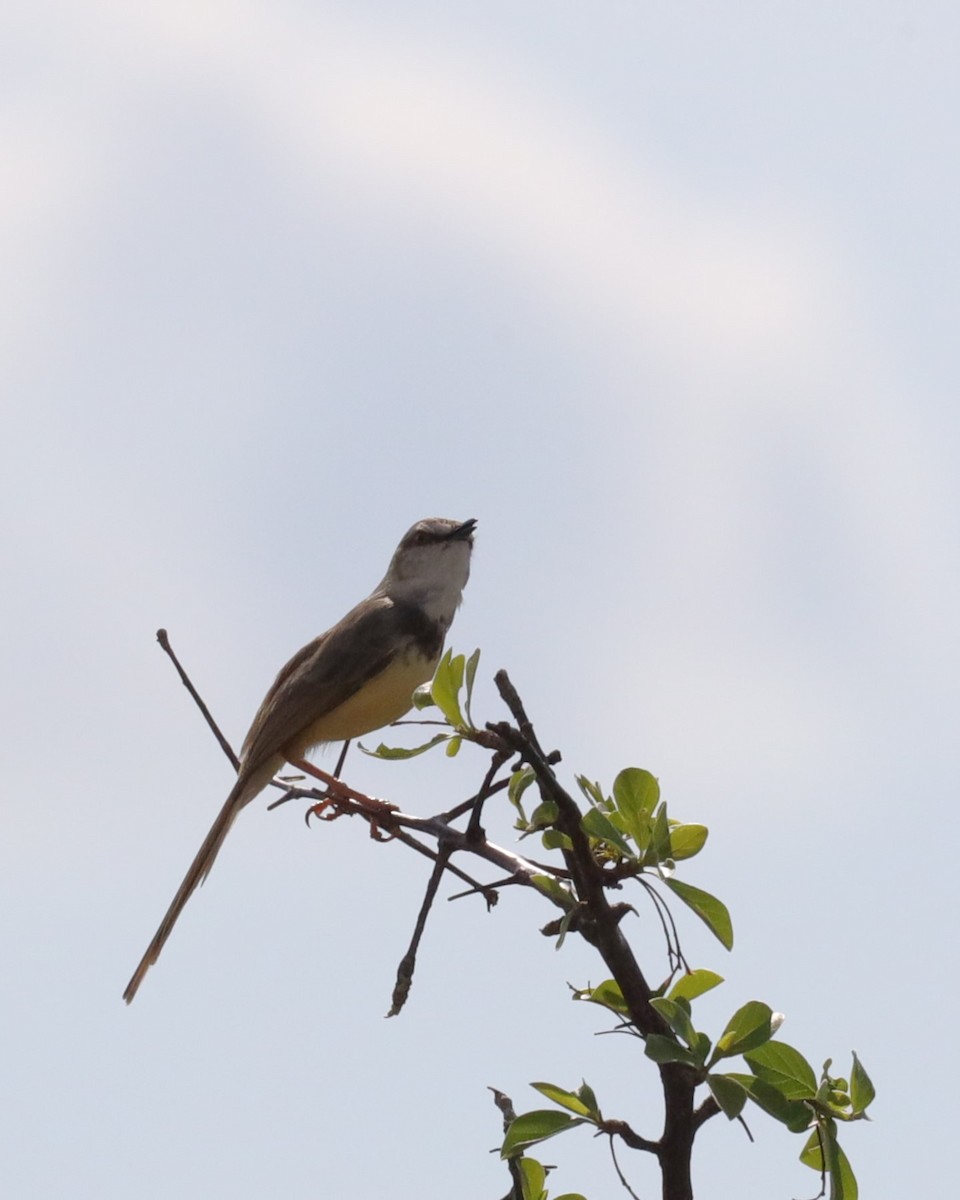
(185,679)
(630,1138)
(474,830)
(401,988)
(709,1108)
(597,921)
(599,924)
(505,1104)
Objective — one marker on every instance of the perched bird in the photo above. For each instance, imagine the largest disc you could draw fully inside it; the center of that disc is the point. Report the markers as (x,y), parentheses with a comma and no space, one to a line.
(356,677)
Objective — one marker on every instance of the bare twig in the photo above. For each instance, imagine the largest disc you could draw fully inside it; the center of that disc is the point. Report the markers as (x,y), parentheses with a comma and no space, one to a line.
(164,640)
(671,936)
(467,805)
(823,1166)
(493,886)
(225,746)
(512,700)
(486,890)
(405,970)
(505,1104)
(620,1174)
(474,830)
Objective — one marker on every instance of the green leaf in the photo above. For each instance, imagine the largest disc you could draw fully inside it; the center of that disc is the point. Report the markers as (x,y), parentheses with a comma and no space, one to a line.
(658,849)
(687,840)
(636,790)
(785,1068)
(750,1026)
(795,1114)
(709,909)
(636,794)
(592,791)
(565,1099)
(597,825)
(608,994)
(533,1176)
(728,1094)
(688,987)
(588,1096)
(520,780)
(565,922)
(862,1090)
(554,890)
(533,1127)
(447,681)
(471,674)
(453,747)
(396,752)
(843,1183)
(678,1018)
(544,814)
(553,839)
(423,698)
(665,1050)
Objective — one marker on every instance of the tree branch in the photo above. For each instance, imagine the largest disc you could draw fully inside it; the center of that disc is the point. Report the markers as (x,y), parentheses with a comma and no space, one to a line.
(629,1138)
(596,920)
(405,970)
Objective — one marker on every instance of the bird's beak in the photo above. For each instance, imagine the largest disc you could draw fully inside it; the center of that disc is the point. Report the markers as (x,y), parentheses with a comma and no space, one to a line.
(464,532)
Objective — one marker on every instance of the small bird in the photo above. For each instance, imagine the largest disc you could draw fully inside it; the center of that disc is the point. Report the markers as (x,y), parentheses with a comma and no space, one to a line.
(358,676)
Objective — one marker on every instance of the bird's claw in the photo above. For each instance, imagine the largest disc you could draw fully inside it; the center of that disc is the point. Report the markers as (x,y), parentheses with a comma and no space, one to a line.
(332,806)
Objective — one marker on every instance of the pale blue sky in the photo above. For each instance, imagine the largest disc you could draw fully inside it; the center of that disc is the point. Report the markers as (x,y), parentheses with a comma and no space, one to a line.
(667,299)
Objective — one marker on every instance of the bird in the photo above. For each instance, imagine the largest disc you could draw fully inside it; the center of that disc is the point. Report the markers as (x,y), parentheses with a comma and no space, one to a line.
(357,677)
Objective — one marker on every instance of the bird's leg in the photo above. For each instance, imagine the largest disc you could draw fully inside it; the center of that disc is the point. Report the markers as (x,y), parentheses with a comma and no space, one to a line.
(341,760)
(341,797)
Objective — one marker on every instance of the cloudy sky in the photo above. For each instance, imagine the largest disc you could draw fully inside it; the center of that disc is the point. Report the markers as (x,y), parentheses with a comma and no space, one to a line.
(667,298)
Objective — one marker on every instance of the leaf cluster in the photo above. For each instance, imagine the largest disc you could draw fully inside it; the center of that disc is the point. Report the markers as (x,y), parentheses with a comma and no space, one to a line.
(454,674)
(629,835)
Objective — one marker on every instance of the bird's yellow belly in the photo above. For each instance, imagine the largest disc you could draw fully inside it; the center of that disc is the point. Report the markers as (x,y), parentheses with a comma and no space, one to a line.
(381,700)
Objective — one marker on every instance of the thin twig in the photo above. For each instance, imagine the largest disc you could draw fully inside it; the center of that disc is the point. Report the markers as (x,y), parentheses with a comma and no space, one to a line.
(466,805)
(505,1104)
(623,1178)
(522,869)
(225,746)
(484,887)
(512,700)
(474,829)
(401,988)
(823,1164)
(675,956)
(486,890)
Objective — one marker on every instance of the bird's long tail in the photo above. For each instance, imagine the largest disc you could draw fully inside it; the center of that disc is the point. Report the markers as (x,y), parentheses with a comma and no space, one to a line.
(244,790)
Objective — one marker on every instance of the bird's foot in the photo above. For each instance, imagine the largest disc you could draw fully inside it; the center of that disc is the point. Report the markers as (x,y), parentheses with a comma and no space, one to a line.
(342,800)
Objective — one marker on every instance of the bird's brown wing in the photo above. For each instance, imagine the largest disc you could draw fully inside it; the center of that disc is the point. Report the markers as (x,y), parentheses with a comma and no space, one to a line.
(324,674)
